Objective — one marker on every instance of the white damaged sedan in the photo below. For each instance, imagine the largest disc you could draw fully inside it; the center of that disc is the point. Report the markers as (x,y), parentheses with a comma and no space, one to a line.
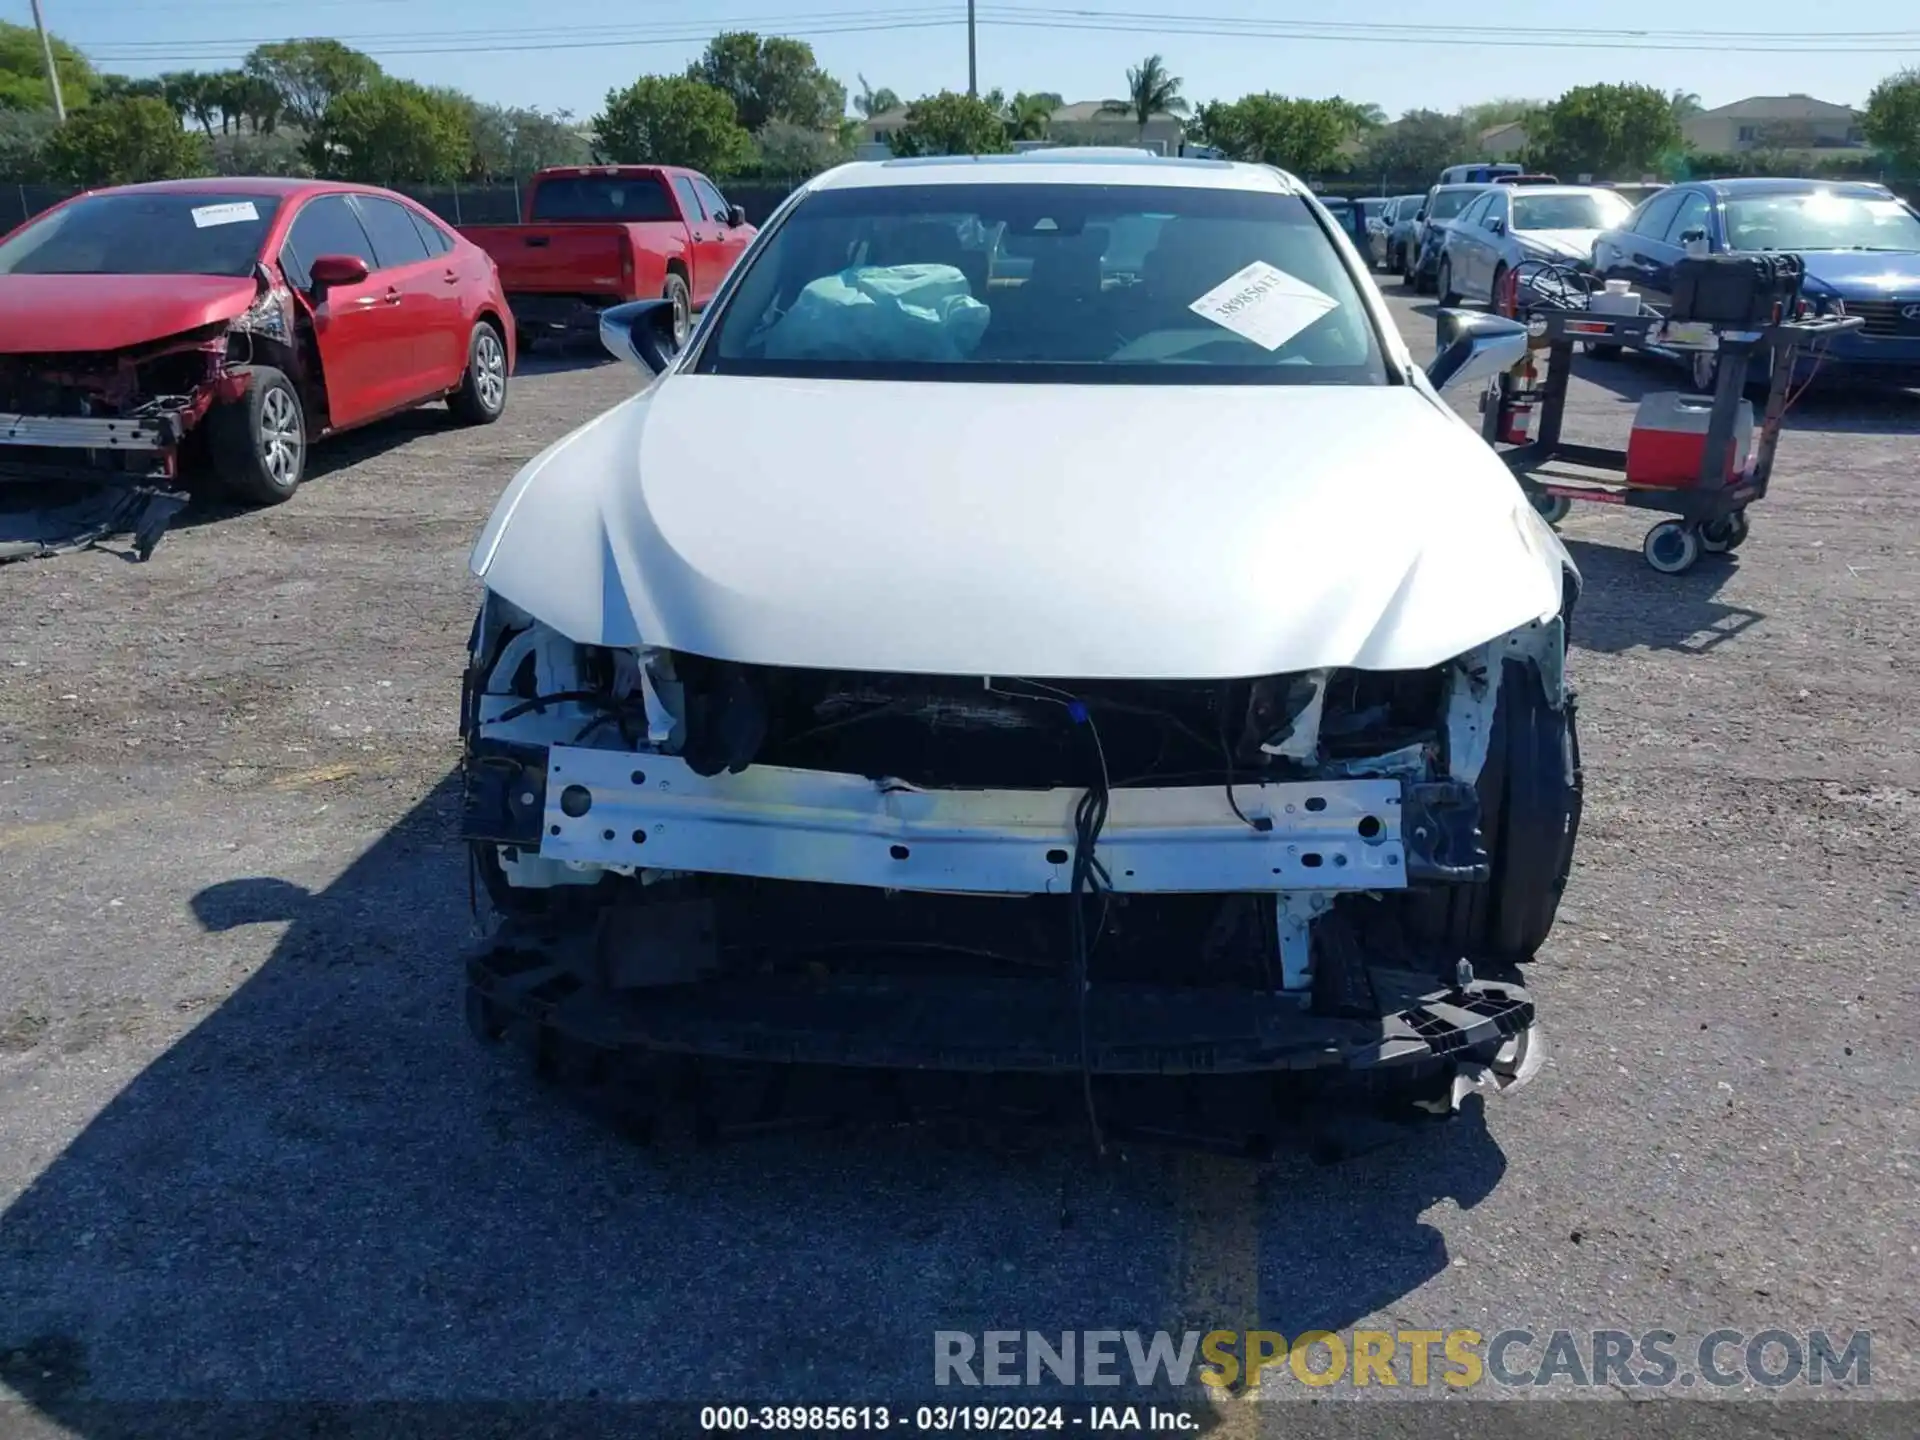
(1042,623)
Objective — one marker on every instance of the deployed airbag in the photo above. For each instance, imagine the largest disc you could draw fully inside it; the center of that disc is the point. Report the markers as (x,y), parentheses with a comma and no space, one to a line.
(882,312)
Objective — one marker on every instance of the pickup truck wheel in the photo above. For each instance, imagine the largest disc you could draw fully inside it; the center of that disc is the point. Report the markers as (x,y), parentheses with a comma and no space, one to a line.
(259,442)
(483,389)
(676,291)
(1530,794)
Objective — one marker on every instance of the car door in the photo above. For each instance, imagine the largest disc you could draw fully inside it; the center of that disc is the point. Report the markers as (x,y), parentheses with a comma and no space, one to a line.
(365,357)
(702,232)
(1492,243)
(429,298)
(733,239)
(1463,243)
(1637,259)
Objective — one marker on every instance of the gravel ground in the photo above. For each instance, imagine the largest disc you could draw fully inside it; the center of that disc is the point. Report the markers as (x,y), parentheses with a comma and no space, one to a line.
(248,1150)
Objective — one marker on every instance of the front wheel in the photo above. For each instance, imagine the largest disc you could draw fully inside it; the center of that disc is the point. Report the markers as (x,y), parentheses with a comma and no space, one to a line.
(259,442)
(1408,277)
(482,395)
(1444,284)
(1530,801)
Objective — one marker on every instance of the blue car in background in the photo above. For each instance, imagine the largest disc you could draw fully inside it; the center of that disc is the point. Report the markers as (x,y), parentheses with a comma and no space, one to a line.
(1861,244)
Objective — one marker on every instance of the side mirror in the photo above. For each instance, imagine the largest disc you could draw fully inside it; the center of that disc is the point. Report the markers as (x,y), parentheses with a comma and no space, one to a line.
(736,215)
(1418,216)
(1475,346)
(327,271)
(640,333)
(1497,225)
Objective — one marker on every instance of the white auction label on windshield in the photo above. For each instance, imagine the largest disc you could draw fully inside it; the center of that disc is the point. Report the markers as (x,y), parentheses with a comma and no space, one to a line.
(1266,305)
(233,214)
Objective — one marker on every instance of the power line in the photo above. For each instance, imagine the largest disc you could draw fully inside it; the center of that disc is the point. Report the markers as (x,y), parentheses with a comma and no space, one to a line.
(870,21)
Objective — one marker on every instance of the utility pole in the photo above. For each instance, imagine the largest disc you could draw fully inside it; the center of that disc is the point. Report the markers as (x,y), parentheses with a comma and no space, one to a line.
(973,74)
(53,71)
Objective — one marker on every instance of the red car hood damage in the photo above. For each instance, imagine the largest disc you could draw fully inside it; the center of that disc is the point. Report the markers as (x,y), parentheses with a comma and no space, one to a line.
(68,314)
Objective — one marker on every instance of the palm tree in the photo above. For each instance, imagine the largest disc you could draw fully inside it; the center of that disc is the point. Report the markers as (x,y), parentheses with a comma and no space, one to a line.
(1027,116)
(1685,104)
(1151,91)
(871,102)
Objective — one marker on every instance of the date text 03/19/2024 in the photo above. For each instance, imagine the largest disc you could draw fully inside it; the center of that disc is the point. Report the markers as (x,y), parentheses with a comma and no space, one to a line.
(949,1419)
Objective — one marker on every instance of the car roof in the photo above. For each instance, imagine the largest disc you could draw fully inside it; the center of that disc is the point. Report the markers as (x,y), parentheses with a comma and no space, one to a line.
(1558,190)
(1771,185)
(281,186)
(1466,185)
(1076,165)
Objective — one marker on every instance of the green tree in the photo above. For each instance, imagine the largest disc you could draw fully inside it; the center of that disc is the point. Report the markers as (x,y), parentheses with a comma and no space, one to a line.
(120,142)
(1299,135)
(192,95)
(1684,104)
(871,102)
(1027,117)
(1151,90)
(309,75)
(23,144)
(672,120)
(1419,144)
(793,152)
(1892,123)
(510,142)
(1607,131)
(1361,118)
(23,72)
(771,78)
(1506,110)
(125,87)
(950,124)
(394,132)
(261,152)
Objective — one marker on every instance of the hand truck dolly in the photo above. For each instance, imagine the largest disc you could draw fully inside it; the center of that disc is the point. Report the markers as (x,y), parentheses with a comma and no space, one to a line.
(1553,301)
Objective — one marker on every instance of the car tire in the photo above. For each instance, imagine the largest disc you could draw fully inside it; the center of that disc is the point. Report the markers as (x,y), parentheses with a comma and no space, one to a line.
(1495,301)
(682,299)
(1443,283)
(482,396)
(1407,277)
(259,442)
(1530,801)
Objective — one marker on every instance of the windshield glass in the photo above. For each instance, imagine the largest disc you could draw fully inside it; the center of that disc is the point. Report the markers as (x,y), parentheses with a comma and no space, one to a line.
(1448,203)
(144,234)
(602,197)
(1038,281)
(1820,220)
(1599,211)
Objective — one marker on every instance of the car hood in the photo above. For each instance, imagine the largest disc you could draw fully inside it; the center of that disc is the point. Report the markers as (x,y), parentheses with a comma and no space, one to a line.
(43,314)
(1096,531)
(1864,274)
(1561,244)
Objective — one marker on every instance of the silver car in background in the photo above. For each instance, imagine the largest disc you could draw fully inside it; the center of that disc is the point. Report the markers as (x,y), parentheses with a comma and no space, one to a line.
(1398,211)
(1509,224)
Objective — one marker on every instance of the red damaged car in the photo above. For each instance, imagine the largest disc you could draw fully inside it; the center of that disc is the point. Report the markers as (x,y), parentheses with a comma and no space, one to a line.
(257,314)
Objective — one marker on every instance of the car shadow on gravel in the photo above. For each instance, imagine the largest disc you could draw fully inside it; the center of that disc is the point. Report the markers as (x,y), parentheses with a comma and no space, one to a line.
(1627,605)
(328,1191)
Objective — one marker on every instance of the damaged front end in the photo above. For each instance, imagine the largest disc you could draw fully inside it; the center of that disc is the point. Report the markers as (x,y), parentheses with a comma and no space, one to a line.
(118,425)
(1318,882)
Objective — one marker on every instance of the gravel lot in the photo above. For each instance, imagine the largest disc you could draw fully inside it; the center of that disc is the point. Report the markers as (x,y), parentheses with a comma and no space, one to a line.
(249,1151)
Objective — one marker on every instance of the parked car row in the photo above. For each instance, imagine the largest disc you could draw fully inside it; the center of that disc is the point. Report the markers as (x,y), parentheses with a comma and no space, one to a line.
(251,317)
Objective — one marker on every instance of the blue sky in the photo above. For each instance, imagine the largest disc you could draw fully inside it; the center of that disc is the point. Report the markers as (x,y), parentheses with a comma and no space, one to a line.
(568,53)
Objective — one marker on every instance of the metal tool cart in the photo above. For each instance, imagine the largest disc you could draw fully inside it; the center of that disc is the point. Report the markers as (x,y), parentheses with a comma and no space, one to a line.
(1557,302)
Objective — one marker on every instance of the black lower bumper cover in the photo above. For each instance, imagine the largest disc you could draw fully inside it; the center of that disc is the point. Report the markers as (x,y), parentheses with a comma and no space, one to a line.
(990,1024)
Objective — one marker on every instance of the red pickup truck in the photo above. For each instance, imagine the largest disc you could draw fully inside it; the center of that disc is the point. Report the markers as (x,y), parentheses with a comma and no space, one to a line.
(599,235)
